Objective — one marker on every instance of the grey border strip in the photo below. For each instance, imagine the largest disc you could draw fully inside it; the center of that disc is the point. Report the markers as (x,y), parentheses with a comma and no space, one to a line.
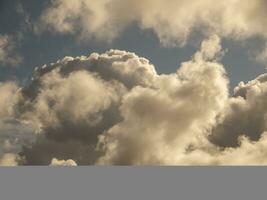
(133,183)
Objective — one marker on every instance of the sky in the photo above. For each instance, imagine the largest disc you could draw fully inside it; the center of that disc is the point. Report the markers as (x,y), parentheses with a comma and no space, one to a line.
(115,82)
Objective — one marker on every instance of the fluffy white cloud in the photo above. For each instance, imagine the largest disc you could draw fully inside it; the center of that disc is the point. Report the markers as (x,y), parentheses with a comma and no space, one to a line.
(173,22)
(250,153)
(56,162)
(75,100)
(161,122)
(7,54)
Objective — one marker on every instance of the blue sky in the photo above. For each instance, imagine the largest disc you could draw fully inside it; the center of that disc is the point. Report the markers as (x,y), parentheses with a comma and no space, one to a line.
(38,49)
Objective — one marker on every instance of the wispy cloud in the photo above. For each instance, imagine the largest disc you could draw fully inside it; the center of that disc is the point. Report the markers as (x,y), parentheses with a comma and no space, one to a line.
(172,21)
(8,55)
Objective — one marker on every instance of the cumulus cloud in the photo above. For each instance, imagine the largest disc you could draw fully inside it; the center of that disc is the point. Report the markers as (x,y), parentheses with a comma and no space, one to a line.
(173,22)
(114,109)
(56,162)
(244,115)
(250,153)
(9,160)
(7,51)
(161,121)
(75,100)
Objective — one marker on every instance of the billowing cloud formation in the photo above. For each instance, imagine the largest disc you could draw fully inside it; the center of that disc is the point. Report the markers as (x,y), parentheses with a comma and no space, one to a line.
(244,115)
(172,22)
(7,54)
(56,162)
(160,122)
(248,153)
(77,99)
(114,109)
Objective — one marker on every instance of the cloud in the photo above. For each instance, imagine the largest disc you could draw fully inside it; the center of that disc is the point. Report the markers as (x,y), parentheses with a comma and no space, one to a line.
(261,56)
(7,51)
(244,115)
(162,121)
(9,160)
(9,97)
(75,100)
(56,162)
(173,22)
(249,153)
(14,133)
(114,109)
